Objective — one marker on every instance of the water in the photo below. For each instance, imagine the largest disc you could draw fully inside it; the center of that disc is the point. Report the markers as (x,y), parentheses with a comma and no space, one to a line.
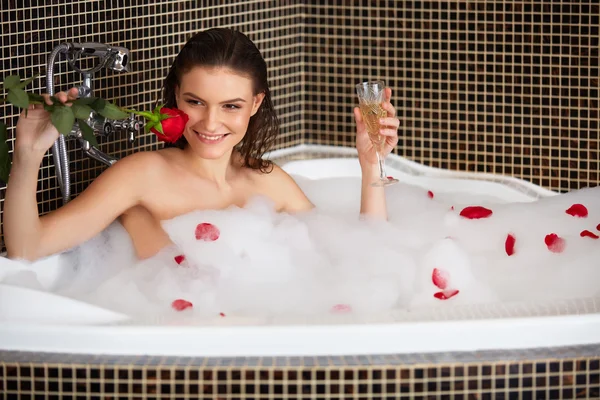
(251,262)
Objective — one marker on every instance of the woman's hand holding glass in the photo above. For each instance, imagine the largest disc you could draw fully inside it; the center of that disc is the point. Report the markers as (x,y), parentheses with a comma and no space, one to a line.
(372,149)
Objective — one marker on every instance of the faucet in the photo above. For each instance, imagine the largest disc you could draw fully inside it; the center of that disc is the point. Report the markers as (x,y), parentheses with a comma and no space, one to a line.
(115,58)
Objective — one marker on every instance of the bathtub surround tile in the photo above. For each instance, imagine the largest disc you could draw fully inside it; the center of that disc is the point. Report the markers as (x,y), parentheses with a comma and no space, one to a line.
(515,373)
(570,352)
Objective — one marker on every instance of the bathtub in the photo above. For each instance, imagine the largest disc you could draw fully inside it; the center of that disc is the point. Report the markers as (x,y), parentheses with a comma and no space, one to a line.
(38,321)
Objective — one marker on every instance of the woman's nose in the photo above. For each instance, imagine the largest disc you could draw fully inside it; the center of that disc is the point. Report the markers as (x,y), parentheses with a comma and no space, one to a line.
(211,120)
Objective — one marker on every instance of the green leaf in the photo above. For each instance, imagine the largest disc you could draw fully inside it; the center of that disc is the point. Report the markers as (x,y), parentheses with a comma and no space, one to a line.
(87,132)
(81,111)
(35,98)
(86,101)
(5,162)
(157,109)
(27,81)
(158,127)
(149,125)
(18,98)
(63,119)
(111,111)
(12,81)
(97,104)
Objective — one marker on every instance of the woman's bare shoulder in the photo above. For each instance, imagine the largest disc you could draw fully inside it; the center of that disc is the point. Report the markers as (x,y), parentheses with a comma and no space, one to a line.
(282,188)
(154,160)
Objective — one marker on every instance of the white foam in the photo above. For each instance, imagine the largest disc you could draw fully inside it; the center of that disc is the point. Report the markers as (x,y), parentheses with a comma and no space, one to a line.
(328,262)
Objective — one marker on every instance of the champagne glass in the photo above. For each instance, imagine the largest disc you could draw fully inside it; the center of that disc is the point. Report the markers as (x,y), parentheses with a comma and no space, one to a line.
(370,97)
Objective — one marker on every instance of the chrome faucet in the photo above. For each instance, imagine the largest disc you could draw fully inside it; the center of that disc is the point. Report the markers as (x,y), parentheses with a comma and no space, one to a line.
(115,58)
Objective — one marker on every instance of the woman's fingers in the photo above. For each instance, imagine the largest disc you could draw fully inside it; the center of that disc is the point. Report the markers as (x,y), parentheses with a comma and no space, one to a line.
(73,93)
(63,97)
(47,99)
(387,106)
(389,121)
(357,115)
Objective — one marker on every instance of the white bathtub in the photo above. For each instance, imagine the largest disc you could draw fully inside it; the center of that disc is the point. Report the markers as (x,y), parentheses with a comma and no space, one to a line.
(38,321)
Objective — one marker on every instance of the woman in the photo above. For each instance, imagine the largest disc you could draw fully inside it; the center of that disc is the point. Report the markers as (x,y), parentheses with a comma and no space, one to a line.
(219,79)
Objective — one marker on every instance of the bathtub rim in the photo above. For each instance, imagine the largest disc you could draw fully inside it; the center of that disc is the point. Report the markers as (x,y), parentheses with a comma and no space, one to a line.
(412,167)
(322,340)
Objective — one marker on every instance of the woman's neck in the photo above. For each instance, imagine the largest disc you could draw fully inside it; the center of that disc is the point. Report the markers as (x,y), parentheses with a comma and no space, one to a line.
(215,170)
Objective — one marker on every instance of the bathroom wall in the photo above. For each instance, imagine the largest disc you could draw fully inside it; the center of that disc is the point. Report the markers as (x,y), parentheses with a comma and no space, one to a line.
(507,87)
(154,31)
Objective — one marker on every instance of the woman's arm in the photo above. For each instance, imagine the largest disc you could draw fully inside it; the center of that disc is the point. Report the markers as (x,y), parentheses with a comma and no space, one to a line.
(28,236)
(372,203)
(145,231)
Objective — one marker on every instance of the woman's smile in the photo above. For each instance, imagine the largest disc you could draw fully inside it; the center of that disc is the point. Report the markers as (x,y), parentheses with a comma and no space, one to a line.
(211,138)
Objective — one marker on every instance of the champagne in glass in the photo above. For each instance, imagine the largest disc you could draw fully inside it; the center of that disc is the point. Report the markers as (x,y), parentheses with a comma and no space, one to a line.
(370,97)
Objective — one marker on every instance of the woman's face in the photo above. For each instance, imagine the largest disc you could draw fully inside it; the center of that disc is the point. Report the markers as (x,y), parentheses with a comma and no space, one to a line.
(219,104)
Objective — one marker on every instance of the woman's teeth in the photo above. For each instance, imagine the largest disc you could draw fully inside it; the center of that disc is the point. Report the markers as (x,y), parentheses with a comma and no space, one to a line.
(214,138)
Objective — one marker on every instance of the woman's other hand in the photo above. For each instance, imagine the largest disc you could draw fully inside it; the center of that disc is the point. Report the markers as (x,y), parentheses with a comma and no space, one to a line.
(34,131)
(389,129)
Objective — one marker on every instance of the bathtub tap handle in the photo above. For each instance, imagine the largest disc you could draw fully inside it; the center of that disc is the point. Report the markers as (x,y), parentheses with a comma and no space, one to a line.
(96,154)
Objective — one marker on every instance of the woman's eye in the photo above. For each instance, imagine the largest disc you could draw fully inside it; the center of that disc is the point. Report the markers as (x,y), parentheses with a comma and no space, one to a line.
(194,102)
(232,106)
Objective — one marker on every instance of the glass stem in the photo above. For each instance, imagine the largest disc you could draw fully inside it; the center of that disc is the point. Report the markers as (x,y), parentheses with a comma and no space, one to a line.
(381,162)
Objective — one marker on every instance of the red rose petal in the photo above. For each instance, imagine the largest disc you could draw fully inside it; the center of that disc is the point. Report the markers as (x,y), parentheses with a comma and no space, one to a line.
(207,232)
(390,177)
(179,259)
(509,244)
(446,294)
(598,227)
(475,212)
(181,304)
(440,278)
(341,308)
(452,208)
(555,243)
(222,314)
(586,233)
(430,194)
(577,210)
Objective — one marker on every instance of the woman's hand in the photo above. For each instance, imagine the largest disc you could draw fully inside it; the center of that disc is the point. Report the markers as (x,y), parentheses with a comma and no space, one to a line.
(34,131)
(389,129)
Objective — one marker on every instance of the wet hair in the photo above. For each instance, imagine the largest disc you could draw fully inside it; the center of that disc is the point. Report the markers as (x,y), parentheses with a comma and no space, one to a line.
(227,48)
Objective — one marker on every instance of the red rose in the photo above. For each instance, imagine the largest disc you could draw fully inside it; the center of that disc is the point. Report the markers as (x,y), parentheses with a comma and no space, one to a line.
(170,125)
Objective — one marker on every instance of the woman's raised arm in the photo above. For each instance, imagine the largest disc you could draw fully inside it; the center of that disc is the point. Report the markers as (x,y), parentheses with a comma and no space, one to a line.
(26,235)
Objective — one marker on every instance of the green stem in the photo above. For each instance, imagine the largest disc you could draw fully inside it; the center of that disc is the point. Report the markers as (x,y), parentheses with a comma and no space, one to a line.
(144,114)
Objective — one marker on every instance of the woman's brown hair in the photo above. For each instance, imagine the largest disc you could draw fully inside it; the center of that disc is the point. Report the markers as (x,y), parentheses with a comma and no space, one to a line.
(223,47)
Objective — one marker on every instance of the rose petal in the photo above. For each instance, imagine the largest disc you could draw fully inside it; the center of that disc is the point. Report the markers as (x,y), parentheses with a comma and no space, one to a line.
(586,233)
(577,210)
(446,294)
(509,244)
(555,243)
(440,278)
(430,194)
(222,314)
(475,212)
(207,232)
(452,208)
(598,227)
(341,308)
(179,259)
(181,304)
(390,177)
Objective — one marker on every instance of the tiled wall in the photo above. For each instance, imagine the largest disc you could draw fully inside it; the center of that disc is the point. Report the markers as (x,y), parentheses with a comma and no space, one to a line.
(508,87)
(154,31)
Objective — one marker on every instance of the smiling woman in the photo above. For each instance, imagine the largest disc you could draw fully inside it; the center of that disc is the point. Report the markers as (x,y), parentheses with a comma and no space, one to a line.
(219,79)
